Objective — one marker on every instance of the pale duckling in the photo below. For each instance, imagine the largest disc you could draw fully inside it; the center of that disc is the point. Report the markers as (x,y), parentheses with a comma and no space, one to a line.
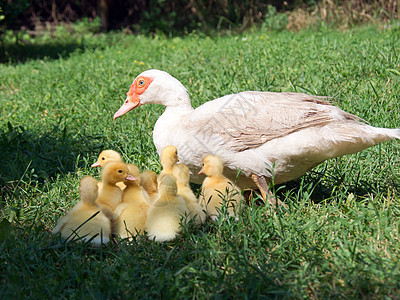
(168,158)
(105,157)
(181,173)
(164,216)
(217,187)
(148,180)
(134,206)
(79,223)
(111,195)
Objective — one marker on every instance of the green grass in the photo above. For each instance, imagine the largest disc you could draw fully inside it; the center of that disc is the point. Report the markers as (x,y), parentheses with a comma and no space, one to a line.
(338,237)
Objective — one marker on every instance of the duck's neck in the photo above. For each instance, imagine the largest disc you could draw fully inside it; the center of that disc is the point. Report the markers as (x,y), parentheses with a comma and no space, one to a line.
(109,182)
(164,199)
(213,179)
(131,185)
(168,124)
(183,108)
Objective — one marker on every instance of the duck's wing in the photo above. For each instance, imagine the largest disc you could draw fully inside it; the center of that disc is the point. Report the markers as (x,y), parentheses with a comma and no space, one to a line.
(60,224)
(249,119)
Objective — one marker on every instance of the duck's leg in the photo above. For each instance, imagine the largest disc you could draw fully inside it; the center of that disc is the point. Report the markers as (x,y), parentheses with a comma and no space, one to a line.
(262,185)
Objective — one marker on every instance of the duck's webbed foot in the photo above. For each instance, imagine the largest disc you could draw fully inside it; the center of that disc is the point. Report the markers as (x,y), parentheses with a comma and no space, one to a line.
(261,183)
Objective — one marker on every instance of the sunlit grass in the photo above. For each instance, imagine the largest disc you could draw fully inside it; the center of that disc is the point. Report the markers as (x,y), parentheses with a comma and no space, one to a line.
(338,237)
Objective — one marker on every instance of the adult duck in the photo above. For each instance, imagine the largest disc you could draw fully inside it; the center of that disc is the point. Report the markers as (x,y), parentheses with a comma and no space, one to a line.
(264,134)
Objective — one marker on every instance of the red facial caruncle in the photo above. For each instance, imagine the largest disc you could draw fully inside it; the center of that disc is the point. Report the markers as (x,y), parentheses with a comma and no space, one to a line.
(137,88)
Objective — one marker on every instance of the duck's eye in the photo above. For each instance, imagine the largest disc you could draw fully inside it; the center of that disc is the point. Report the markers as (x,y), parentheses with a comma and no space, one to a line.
(141,82)
(120,171)
(103,158)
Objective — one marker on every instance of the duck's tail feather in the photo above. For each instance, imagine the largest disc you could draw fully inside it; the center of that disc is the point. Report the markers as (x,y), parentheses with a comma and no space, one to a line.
(389,133)
(396,133)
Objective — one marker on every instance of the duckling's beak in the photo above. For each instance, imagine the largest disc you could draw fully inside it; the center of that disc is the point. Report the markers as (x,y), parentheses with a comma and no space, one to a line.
(200,172)
(132,101)
(130,177)
(96,164)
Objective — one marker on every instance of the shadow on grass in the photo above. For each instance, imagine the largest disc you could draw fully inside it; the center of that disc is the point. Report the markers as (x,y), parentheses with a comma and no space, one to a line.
(19,53)
(322,186)
(34,158)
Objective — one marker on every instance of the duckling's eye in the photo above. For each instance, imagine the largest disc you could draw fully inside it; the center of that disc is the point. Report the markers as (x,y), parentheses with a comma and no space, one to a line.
(202,165)
(141,82)
(120,171)
(103,158)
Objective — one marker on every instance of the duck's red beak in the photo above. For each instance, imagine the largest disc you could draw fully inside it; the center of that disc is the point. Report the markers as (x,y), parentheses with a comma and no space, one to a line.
(132,101)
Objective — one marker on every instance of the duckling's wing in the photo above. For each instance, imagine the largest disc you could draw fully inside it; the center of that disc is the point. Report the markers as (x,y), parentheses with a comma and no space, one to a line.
(249,119)
(60,224)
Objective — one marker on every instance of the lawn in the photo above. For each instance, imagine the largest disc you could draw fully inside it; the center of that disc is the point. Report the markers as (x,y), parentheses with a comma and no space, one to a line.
(338,237)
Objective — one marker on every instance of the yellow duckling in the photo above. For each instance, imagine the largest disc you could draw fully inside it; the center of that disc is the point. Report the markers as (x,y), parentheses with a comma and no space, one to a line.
(168,158)
(104,158)
(79,223)
(148,180)
(181,173)
(111,195)
(164,216)
(134,207)
(217,187)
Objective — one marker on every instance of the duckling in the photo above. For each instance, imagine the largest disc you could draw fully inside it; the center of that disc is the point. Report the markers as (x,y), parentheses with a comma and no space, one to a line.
(164,216)
(110,195)
(168,158)
(148,180)
(105,157)
(85,220)
(181,173)
(217,187)
(134,206)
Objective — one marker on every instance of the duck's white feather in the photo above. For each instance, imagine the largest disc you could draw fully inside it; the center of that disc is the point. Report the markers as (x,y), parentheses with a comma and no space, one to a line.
(256,131)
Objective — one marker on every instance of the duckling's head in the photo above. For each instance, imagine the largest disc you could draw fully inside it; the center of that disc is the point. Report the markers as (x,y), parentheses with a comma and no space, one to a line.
(114,172)
(212,166)
(88,189)
(181,173)
(169,156)
(134,171)
(106,156)
(167,185)
(148,180)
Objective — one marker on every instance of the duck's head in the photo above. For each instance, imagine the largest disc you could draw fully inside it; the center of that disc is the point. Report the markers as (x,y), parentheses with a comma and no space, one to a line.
(169,156)
(149,181)
(88,189)
(211,165)
(157,87)
(105,157)
(181,173)
(134,171)
(114,172)
(167,185)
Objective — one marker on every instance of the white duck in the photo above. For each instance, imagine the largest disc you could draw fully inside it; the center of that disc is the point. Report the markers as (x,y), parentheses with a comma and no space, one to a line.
(260,133)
